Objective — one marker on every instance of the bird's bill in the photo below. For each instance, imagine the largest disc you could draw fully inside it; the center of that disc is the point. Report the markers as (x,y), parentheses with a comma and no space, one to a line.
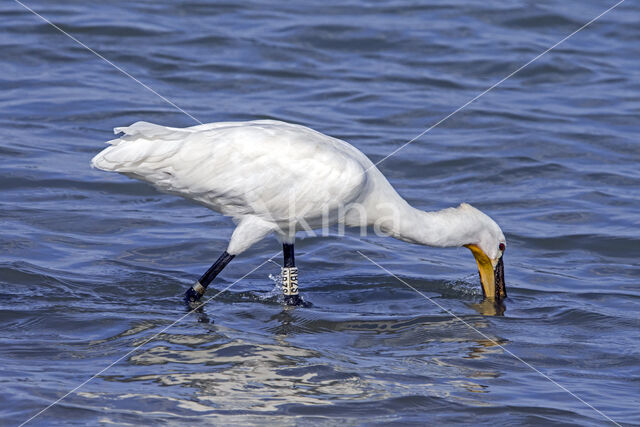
(491,274)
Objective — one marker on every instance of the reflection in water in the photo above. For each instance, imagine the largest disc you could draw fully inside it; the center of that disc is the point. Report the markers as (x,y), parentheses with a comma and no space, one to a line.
(285,322)
(490,307)
(198,310)
(230,370)
(485,347)
(244,375)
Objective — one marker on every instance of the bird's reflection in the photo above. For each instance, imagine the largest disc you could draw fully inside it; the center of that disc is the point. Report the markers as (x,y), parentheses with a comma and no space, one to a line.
(485,346)
(286,322)
(489,307)
(198,309)
(455,358)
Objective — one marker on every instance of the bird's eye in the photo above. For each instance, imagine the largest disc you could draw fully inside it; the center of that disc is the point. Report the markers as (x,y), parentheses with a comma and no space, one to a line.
(501,247)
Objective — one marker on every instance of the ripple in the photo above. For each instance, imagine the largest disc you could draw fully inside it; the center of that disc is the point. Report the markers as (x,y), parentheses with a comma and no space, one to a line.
(93,265)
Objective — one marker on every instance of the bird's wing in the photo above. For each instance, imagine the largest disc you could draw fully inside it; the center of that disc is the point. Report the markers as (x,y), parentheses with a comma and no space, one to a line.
(266,168)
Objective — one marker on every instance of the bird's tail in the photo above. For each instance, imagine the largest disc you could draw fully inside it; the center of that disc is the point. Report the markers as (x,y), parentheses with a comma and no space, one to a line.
(140,143)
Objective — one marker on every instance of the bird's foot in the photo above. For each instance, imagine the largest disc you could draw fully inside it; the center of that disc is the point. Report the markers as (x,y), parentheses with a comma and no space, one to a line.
(192,296)
(296,300)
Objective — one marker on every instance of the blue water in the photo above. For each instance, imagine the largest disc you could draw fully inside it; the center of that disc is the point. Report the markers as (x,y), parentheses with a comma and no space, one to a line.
(94,264)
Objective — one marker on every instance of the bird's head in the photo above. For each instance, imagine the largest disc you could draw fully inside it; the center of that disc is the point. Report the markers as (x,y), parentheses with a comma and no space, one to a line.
(488,247)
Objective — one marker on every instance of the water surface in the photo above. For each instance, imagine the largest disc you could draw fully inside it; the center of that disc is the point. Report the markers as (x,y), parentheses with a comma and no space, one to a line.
(93,264)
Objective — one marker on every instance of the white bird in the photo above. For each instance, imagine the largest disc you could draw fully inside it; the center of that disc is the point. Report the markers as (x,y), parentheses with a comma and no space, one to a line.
(277,177)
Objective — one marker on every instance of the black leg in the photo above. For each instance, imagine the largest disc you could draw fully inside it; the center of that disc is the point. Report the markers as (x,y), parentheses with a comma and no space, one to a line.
(195,292)
(289,258)
(290,277)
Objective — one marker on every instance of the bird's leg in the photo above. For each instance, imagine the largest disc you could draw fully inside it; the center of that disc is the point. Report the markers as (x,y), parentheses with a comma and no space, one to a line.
(195,292)
(290,277)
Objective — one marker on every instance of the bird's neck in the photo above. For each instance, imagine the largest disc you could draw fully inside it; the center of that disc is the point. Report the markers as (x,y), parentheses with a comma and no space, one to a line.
(452,227)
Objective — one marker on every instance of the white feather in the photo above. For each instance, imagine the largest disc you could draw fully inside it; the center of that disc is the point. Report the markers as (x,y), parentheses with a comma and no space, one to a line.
(258,172)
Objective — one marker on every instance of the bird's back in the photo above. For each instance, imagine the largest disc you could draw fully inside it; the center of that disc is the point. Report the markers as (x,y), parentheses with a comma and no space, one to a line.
(265,168)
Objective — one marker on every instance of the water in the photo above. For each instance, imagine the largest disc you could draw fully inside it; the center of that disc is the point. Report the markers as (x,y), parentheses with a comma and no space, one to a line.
(93,264)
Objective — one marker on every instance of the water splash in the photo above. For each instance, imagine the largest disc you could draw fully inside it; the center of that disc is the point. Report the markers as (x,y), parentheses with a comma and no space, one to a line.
(276,292)
(465,287)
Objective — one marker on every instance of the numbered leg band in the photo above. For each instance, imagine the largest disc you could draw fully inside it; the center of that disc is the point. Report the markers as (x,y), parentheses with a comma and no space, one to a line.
(199,288)
(290,280)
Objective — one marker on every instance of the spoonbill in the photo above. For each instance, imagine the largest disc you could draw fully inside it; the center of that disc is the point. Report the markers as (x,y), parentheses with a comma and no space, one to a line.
(276,177)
